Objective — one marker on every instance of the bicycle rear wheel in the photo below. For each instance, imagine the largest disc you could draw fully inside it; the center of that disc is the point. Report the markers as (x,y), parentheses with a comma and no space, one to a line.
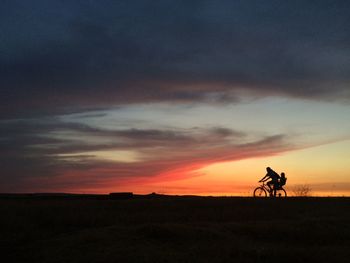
(281,193)
(260,192)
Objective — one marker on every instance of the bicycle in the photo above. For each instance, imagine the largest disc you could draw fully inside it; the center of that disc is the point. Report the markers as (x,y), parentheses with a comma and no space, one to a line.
(264,191)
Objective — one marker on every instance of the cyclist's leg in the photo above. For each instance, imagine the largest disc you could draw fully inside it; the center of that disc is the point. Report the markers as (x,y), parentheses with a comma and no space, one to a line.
(269,183)
(275,187)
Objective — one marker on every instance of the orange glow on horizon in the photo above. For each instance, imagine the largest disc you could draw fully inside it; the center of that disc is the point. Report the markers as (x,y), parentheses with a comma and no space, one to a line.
(310,166)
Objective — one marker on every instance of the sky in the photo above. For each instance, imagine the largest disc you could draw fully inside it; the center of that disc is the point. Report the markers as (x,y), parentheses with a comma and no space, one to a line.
(174,97)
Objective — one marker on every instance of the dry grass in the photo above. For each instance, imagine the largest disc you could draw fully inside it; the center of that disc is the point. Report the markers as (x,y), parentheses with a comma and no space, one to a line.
(302,190)
(176,230)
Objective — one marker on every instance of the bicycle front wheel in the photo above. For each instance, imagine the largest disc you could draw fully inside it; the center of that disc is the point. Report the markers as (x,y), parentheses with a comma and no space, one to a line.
(260,192)
(281,193)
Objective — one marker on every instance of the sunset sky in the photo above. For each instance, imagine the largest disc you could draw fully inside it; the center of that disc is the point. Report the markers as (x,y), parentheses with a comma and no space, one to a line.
(174,97)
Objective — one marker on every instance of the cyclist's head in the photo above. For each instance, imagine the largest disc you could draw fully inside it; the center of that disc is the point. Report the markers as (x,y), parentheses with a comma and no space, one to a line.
(268,169)
(283,175)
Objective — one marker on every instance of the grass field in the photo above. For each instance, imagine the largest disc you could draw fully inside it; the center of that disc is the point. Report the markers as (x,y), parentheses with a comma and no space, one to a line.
(175,229)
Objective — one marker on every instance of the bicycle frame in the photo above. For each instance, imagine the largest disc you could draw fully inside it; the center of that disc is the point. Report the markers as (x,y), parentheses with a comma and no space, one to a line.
(267,189)
(263,191)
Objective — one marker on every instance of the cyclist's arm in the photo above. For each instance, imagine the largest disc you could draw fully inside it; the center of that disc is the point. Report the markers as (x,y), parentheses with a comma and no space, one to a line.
(265,178)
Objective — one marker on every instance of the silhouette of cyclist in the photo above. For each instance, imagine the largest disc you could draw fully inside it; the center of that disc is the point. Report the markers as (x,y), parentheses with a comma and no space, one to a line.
(273,183)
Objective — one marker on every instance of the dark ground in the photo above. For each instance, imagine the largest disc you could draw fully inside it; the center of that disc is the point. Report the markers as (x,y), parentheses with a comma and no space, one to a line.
(175,229)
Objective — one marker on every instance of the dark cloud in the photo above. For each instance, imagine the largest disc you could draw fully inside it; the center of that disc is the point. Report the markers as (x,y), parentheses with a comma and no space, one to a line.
(71,55)
(59,57)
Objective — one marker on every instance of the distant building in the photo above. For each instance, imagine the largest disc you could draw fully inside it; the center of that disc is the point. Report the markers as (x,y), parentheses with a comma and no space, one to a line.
(121,195)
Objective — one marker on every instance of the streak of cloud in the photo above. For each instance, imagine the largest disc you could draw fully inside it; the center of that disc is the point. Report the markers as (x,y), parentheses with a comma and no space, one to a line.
(58,152)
